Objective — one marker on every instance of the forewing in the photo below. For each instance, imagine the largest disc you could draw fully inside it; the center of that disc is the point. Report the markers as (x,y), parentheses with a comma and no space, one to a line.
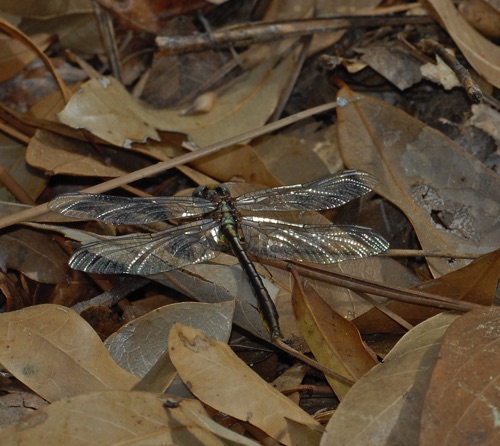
(128,210)
(309,243)
(324,193)
(149,254)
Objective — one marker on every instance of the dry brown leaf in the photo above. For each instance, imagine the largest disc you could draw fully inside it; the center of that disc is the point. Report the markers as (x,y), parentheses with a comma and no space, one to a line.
(394,63)
(213,373)
(281,154)
(476,282)
(107,110)
(12,158)
(484,15)
(57,154)
(482,54)
(426,175)
(238,161)
(334,341)
(14,56)
(137,345)
(54,352)
(463,400)
(111,418)
(291,378)
(34,254)
(384,407)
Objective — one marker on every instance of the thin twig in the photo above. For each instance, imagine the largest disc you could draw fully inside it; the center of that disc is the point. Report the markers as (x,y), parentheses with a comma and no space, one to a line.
(14,187)
(473,91)
(260,32)
(426,253)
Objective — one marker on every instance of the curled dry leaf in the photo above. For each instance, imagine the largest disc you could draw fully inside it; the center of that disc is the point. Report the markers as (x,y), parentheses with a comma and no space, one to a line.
(54,352)
(112,417)
(137,345)
(482,54)
(384,407)
(463,400)
(334,341)
(213,373)
(105,108)
(451,199)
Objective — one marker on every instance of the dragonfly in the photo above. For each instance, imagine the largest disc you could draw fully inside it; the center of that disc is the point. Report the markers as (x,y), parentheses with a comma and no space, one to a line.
(212,221)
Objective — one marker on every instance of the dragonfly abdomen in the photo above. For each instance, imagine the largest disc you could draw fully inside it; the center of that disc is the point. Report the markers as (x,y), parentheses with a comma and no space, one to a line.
(266,304)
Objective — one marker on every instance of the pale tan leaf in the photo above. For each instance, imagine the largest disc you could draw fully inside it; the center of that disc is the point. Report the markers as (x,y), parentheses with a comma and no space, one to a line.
(334,341)
(427,175)
(384,407)
(481,53)
(55,352)
(213,373)
(103,107)
(110,418)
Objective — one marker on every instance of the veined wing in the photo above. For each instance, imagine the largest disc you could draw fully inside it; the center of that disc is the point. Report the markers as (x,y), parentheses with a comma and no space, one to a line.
(149,254)
(322,244)
(128,210)
(324,193)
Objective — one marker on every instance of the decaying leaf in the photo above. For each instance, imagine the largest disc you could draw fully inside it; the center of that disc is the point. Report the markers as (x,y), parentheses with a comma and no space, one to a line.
(54,352)
(451,210)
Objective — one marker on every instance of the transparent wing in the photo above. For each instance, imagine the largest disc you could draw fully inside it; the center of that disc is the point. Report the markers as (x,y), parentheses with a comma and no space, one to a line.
(128,210)
(149,254)
(324,193)
(309,243)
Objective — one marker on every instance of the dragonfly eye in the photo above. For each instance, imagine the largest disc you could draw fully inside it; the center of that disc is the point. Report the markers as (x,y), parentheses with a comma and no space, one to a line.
(222,190)
(200,192)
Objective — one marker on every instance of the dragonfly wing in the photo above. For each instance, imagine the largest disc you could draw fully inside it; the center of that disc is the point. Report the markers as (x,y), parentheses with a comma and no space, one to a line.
(324,193)
(128,210)
(149,254)
(322,244)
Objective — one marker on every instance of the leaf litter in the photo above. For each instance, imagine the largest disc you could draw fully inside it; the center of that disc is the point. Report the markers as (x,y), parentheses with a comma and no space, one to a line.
(448,196)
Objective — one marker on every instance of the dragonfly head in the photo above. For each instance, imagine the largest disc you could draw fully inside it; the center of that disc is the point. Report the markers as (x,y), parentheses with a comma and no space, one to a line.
(211,192)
